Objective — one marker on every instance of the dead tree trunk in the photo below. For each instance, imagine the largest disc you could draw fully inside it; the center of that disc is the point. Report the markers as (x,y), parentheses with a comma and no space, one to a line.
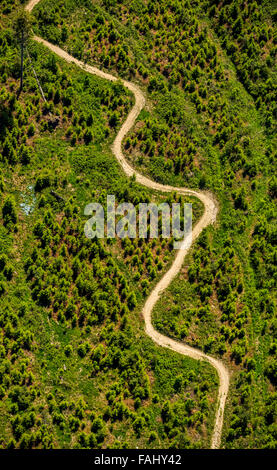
(22,61)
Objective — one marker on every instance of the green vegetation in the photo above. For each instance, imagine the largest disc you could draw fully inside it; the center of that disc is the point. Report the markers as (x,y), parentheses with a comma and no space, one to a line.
(76,367)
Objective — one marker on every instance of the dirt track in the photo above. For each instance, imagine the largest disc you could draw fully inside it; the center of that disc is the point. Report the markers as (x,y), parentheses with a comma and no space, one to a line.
(208,217)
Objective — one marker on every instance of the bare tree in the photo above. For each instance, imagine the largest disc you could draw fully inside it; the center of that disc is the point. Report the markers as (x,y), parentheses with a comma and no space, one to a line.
(23,32)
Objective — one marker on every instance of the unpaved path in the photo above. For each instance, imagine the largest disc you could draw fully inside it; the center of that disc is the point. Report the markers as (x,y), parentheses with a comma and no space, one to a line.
(207,218)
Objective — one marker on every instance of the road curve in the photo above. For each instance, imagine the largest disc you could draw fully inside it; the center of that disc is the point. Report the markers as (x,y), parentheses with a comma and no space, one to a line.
(209,217)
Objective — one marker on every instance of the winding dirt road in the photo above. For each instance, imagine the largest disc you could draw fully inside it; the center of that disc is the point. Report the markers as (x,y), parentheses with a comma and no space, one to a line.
(208,217)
